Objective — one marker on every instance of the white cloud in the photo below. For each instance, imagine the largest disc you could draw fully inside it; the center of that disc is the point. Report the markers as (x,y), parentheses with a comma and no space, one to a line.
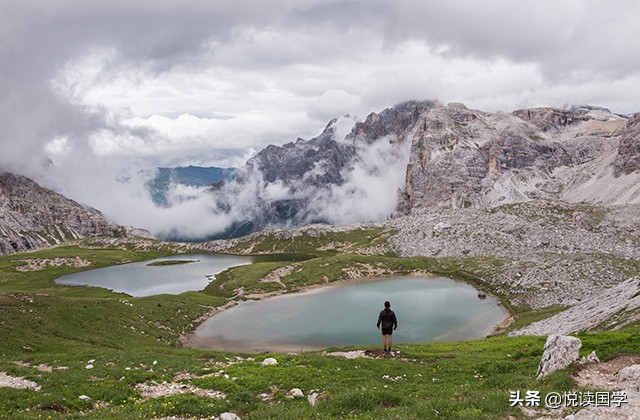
(369,192)
(109,86)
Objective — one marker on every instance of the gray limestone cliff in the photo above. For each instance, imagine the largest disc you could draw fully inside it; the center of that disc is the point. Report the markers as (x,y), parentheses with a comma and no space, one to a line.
(628,159)
(34,217)
(469,158)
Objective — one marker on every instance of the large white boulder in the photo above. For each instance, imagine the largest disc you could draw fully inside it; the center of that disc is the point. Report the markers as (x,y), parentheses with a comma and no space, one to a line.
(559,352)
(630,374)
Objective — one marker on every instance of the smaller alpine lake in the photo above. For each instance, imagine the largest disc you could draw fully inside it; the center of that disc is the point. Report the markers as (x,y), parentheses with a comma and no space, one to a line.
(428,309)
(171,275)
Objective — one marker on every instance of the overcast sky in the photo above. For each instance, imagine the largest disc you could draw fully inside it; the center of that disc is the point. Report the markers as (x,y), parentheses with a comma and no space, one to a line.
(93,84)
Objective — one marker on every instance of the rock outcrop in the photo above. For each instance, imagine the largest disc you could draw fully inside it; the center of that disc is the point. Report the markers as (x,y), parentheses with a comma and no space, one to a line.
(559,352)
(469,158)
(630,374)
(295,183)
(610,309)
(34,217)
(628,158)
(539,253)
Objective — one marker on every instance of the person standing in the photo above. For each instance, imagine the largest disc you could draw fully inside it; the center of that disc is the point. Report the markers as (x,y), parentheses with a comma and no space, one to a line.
(387,319)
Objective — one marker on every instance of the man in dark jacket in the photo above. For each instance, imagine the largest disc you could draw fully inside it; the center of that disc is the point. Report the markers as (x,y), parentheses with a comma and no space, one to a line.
(389,322)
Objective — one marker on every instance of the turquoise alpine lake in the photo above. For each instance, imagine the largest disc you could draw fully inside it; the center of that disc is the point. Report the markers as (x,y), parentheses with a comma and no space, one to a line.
(146,278)
(427,308)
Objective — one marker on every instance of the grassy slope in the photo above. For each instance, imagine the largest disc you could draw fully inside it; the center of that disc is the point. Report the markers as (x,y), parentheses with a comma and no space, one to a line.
(42,323)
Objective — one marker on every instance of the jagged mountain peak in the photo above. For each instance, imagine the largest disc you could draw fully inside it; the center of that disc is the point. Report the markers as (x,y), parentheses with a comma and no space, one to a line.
(393,121)
(424,154)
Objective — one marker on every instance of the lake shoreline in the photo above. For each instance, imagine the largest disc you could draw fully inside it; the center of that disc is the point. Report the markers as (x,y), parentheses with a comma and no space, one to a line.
(172,274)
(188,340)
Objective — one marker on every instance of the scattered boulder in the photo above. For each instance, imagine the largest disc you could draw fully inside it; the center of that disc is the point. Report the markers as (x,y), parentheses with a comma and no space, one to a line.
(559,352)
(269,361)
(441,226)
(296,392)
(228,416)
(89,366)
(591,358)
(630,374)
(313,397)
(84,397)
(164,389)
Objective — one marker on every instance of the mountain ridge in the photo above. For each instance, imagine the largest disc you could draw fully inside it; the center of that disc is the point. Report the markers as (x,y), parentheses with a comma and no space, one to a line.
(421,154)
(33,217)
(449,156)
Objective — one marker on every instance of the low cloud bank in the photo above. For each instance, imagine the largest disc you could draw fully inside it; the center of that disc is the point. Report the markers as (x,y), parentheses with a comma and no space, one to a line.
(119,188)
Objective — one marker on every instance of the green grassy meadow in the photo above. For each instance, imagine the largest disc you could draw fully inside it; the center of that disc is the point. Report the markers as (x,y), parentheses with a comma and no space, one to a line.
(49,334)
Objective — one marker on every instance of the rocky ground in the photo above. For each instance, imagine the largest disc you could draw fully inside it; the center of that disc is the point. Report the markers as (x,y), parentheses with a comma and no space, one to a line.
(550,252)
(618,374)
(546,252)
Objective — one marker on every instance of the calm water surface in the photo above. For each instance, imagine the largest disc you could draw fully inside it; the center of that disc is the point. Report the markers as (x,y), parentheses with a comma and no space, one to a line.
(139,279)
(428,309)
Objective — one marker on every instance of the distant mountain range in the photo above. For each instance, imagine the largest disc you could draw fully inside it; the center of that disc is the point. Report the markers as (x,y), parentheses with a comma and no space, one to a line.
(423,154)
(411,156)
(190,176)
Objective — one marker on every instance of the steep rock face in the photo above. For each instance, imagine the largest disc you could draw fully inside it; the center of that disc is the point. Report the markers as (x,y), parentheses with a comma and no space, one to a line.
(550,118)
(295,179)
(33,217)
(628,159)
(296,170)
(321,160)
(391,122)
(461,157)
(296,162)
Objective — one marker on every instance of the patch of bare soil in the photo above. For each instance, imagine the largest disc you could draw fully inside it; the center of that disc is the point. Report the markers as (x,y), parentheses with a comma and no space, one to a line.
(41,367)
(368,354)
(165,389)
(276,275)
(603,375)
(39,264)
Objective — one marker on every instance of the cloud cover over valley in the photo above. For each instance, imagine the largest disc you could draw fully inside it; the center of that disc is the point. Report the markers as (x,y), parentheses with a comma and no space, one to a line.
(94,95)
